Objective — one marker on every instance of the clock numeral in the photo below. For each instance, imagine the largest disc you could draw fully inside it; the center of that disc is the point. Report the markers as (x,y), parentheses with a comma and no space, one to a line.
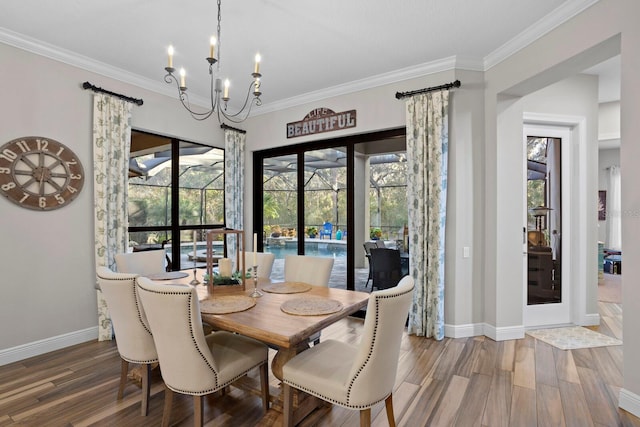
(42,144)
(71,189)
(71,162)
(8,155)
(60,151)
(23,146)
(25,197)
(8,186)
(72,176)
(60,199)
(5,170)
(42,202)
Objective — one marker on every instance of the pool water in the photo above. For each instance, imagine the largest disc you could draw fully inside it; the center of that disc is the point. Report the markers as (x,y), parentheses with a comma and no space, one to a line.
(312,249)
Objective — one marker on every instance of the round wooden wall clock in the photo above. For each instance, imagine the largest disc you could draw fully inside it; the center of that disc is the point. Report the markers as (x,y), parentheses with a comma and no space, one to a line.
(39,173)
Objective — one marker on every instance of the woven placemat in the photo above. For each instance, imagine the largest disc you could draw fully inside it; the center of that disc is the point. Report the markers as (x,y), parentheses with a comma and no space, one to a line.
(287,288)
(226,304)
(311,306)
(169,275)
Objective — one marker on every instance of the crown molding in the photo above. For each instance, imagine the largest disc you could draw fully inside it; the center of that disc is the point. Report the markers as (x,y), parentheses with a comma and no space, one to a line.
(74,59)
(402,74)
(552,20)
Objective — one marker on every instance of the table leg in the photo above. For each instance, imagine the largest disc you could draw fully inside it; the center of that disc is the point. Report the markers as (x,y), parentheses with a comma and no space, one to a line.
(283,356)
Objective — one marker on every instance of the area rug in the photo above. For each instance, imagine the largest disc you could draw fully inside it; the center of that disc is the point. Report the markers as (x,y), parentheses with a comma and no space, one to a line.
(573,337)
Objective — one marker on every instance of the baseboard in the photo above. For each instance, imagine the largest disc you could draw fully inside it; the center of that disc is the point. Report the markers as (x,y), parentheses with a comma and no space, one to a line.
(592,319)
(629,401)
(505,333)
(463,331)
(36,348)
(478,329)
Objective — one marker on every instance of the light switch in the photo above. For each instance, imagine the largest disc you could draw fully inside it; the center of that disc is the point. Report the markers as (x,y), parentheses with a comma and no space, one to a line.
(465,252)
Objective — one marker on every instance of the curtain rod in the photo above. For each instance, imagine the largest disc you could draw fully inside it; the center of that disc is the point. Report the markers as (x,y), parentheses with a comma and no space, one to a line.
(400,95)
(226,126)
(87,85)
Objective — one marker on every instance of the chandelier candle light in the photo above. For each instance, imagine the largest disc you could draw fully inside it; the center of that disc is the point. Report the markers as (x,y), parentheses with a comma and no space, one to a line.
(219,96)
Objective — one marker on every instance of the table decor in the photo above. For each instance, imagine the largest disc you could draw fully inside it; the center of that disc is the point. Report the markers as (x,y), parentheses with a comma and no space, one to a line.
(226,304)
(287,288)
(311,306)
(224,277)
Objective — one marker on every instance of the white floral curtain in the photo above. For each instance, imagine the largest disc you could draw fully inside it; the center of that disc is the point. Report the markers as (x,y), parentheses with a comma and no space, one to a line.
(427,155)
(234,143)
(111,143)
(614,210)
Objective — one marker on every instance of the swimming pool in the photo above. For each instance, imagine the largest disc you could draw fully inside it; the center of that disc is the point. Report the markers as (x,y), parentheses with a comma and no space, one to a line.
(310,248)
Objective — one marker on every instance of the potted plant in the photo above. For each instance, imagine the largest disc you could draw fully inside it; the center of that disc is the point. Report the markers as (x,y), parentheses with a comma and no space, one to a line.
(312,232)
(375,233)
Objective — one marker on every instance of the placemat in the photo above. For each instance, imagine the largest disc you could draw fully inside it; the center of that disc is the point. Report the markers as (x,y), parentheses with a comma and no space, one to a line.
(287,287)
(311,306)
(169,275)
(226,304)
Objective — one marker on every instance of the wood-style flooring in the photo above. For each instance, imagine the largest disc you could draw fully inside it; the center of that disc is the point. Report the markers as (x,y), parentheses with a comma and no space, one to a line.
(453,382)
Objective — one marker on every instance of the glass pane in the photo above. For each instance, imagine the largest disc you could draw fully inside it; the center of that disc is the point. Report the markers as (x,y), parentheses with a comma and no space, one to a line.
(543,221)
(280,209)
(325,202)
(201,184)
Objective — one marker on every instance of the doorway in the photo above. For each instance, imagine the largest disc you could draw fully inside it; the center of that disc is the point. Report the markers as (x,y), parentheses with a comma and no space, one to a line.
(547,282)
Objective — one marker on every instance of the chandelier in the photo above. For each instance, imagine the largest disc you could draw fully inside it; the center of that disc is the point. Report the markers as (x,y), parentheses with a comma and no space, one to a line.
(219,94)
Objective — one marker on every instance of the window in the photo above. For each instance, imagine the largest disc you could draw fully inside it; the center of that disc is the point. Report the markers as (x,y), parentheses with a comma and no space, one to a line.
(176,188)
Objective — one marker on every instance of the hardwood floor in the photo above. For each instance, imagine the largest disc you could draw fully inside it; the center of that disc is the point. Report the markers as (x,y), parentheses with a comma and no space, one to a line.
(453,382)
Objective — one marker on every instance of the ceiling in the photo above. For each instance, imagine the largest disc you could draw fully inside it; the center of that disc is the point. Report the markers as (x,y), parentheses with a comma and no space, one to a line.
(310,50)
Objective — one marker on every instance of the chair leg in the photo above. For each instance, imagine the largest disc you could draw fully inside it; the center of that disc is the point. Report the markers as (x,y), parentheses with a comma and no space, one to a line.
(287,411)
(124,370)
(264,385)
(365,417)
(198,411)
(388,403)
(146,389)
(168,402)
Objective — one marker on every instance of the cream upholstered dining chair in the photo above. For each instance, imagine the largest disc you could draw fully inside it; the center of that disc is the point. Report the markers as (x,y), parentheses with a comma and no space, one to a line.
(190,362)
(263,259)
(355,376)
(143,263)
(308,269)
(133,336)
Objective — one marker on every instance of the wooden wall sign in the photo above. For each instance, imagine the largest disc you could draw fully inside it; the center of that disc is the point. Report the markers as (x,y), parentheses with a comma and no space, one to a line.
(321,120)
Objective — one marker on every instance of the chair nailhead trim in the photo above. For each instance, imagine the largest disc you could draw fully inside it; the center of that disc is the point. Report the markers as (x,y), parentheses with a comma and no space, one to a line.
(373,341)
(134,280)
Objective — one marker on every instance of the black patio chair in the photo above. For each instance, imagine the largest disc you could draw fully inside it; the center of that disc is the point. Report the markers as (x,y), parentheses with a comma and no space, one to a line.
(386,268)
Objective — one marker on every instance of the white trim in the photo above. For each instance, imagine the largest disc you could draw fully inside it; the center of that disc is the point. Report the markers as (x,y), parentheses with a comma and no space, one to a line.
(46,345)
(592,319)
(553,19)
(629,401)
(505,333)
(463,331)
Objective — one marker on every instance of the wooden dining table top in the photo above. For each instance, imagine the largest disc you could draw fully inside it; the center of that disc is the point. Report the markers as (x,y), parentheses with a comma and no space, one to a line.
(265,321)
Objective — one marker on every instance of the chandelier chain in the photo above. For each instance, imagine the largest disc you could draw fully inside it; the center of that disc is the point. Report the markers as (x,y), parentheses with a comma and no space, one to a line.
(219,96)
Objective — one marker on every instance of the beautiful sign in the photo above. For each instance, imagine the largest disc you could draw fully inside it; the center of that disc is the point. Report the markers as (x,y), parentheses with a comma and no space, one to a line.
(321,120)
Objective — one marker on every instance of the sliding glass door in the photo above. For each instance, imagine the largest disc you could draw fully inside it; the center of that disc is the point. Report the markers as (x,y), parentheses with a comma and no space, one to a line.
(309,205)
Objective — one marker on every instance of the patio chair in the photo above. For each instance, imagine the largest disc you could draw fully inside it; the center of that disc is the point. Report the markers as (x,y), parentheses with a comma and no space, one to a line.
(386,268)
(326,230)
(367,250)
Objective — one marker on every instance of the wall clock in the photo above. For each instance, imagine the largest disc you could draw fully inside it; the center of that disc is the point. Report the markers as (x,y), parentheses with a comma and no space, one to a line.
(39,173)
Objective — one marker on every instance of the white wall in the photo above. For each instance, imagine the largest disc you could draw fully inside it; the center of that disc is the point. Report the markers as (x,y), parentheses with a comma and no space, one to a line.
(46,258)
(604,30)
